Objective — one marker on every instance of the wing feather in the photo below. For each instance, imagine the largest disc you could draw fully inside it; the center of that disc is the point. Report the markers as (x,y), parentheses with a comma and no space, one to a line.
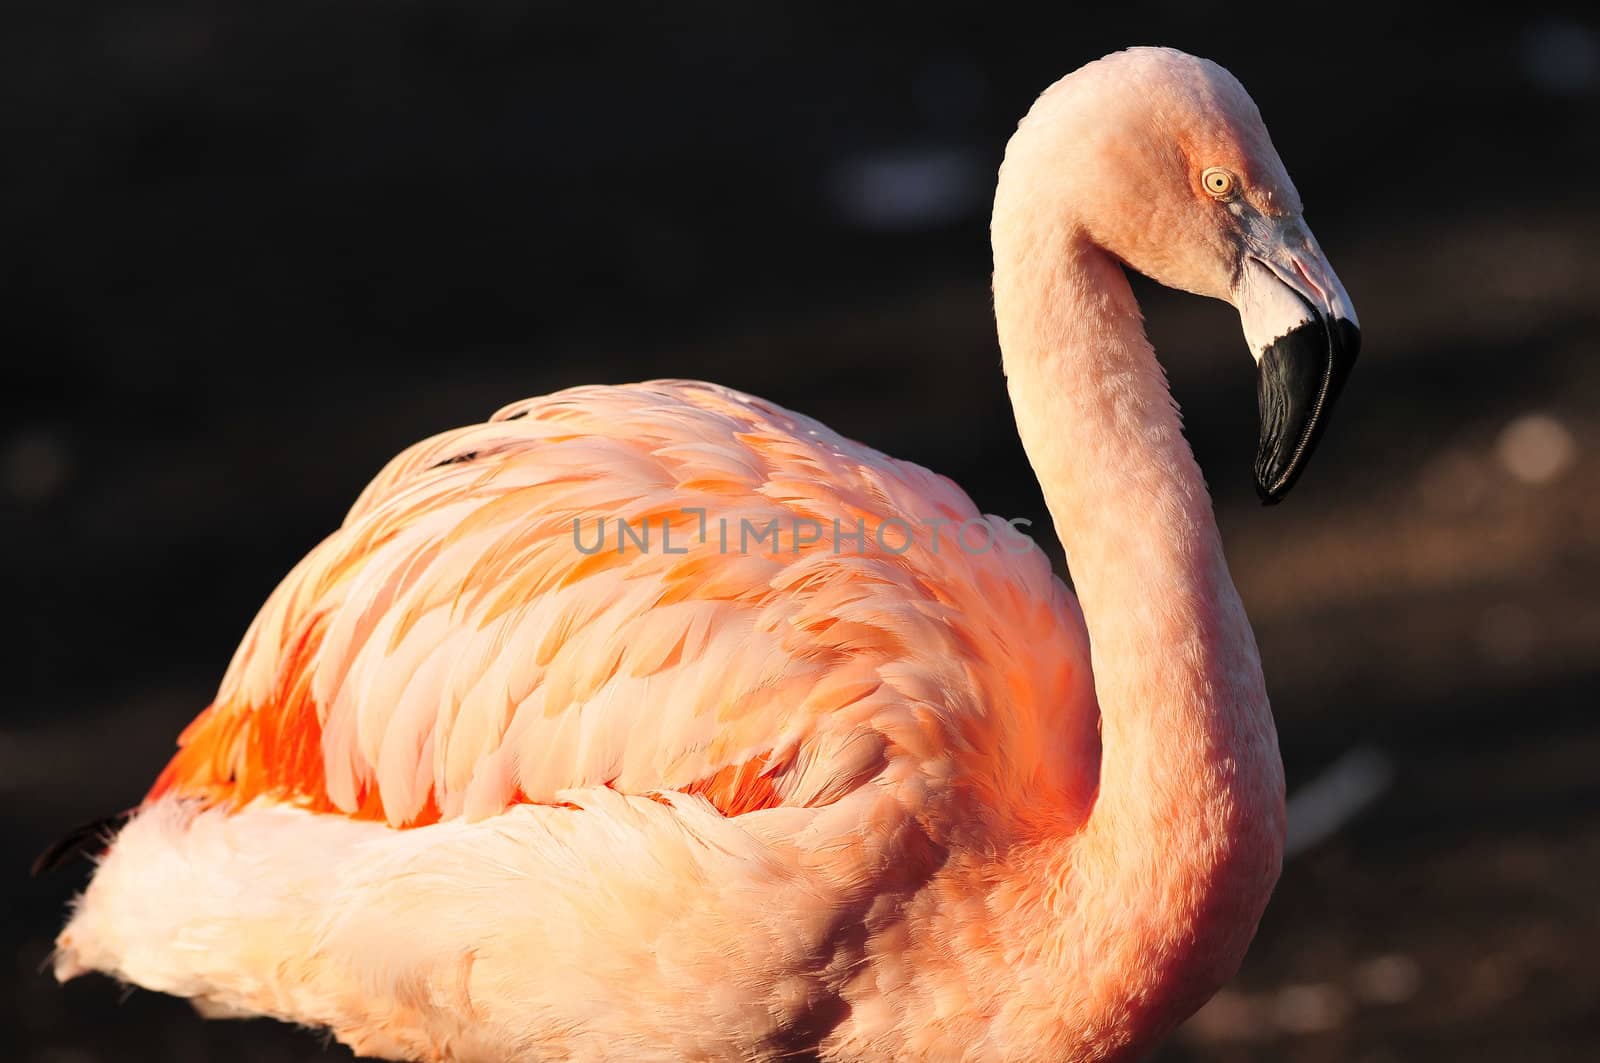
(458,645)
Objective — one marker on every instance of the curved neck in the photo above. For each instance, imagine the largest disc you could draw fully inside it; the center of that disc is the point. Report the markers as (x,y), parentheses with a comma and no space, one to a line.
(1167,880)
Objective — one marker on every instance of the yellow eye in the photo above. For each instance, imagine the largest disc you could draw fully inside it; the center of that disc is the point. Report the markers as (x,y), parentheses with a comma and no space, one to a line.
(1219,182)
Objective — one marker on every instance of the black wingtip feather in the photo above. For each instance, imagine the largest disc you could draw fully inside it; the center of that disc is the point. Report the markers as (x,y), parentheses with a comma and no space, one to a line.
(100,832)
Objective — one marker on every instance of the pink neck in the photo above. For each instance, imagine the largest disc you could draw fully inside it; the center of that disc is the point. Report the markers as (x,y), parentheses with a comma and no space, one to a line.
(1160,892)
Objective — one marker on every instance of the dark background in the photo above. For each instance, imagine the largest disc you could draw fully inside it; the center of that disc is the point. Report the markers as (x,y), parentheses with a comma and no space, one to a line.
(249,251)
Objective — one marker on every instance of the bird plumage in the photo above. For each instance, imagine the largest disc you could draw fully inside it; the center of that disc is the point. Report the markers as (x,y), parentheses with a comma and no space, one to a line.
(681,769)
(465,641)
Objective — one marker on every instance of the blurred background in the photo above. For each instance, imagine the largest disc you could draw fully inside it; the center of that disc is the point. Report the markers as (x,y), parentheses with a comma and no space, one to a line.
(249,251)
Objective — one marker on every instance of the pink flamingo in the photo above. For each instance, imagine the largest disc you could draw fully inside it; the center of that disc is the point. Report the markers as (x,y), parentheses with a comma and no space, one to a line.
(475,789)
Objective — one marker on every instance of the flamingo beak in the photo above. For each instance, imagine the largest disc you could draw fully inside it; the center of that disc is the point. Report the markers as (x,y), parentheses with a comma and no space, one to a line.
(1304,335)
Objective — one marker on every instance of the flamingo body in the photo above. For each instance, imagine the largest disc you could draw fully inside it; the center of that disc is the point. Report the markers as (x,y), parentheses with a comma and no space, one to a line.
(719,764)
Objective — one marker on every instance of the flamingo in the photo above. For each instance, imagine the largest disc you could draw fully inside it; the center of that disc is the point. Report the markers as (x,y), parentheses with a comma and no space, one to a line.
(481,784)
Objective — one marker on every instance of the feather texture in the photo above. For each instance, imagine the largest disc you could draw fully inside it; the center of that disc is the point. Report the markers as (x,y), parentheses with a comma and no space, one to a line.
(459,645)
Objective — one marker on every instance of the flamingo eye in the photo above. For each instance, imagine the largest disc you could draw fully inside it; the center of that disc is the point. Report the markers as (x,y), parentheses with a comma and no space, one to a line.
(1219,182)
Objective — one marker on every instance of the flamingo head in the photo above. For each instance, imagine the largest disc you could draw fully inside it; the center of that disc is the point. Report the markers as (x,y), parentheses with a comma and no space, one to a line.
(1173,172)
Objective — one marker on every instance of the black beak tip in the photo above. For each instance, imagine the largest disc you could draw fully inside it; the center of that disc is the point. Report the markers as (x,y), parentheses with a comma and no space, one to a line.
(1275,478)
(1300,377)
(1268,496)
